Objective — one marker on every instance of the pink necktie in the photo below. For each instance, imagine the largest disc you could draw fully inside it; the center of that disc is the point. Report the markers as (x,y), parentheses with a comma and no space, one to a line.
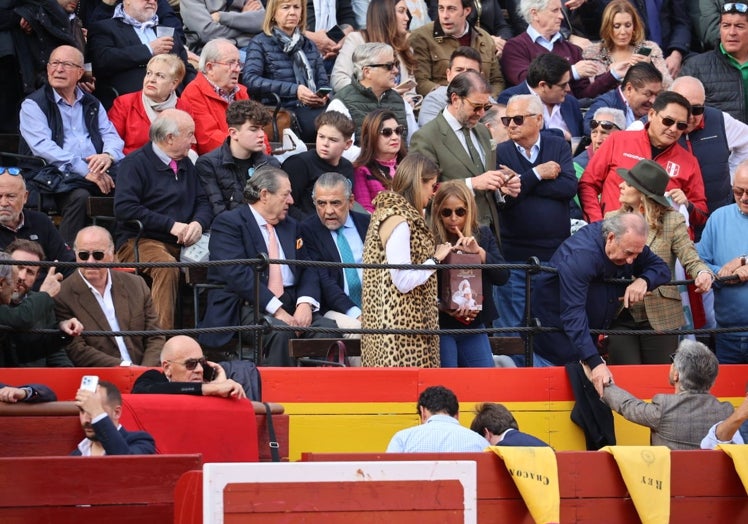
(275,280)
(173,165)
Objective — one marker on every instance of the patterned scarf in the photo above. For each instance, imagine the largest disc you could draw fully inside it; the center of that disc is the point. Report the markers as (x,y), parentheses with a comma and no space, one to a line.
(292,46)
(119,12)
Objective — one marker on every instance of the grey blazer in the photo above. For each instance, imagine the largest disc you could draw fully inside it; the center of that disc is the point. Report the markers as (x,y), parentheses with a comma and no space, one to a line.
(677,421)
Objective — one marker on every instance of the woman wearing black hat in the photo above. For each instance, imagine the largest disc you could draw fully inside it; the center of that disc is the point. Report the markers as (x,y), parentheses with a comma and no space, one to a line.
(642,191)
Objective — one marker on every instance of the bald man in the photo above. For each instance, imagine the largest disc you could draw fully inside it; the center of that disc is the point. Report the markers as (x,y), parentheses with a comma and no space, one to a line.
(187,372)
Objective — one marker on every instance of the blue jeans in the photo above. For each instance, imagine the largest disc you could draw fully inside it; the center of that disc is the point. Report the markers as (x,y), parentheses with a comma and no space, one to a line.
(466,351)
(537,361)
(510,301)
(732,348)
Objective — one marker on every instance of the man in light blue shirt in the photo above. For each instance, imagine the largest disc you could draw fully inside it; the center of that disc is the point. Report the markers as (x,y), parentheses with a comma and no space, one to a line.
(440,431)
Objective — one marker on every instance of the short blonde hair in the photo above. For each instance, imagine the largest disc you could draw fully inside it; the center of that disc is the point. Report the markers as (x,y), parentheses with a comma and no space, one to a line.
(272,6)
(173,62)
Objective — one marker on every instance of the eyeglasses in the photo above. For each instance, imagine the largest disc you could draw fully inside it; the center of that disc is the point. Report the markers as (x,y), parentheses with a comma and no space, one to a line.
(563,85)
(65,65)
(477,106)
(85,255)
(15,171)
(446,213)
(669,122)
(231,64)
(517,119)
(387,131)
(191,363)
(386,65)
(739,191)
(734,8)
(697,110)
(605,124)
(672,356)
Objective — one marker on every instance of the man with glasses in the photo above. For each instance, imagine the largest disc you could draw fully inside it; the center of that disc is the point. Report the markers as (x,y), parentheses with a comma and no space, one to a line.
(434,43)
(548,78)
(70,130)
(105,299)
(668,119)
(542,162)
(214,88)
(724,246)
(717,140)
(187,372)
(723,70)
(463,150)
(121,46)
(635,95)
(336,234)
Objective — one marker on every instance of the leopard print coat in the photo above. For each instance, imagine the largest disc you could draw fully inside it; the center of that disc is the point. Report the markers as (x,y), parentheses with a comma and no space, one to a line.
(386,307)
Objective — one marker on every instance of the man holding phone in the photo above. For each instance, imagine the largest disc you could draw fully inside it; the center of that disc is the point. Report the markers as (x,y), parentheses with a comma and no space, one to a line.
(100,411)
(187,372)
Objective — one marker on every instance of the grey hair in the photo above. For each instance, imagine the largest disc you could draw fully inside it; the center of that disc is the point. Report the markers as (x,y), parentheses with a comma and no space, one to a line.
(167,123)
(619,118)
(525,6)
(621,223)
(534,105)
(331,180)
(6,270)
(266,177)
(697,366)
(212,52)
(365,53)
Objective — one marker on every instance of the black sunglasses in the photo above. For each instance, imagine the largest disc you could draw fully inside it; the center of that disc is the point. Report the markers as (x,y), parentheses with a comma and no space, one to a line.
(669,122)
(446,213)
(477,106)
(732,7)
(386,65)
(605,124)
(387,131)
(697,110)
(85,255)
(517,119)
(15,171)
(191,363)
(672,357)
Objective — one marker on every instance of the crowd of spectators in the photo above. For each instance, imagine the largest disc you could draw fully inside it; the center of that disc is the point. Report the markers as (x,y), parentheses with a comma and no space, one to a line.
(160,105)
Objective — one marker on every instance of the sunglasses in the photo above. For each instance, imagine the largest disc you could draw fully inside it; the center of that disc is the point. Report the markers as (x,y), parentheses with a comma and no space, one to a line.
(446,213)
(697,110)
(386,65)
(605,124)
(739,192)
(191,363)
(15,171)
(672,357)
(477,106)
(735,8)
(669,122)
(387,131)
(85,255)
(517,119)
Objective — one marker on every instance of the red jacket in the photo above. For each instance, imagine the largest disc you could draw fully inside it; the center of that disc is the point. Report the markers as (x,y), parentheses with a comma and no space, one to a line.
(131,121)
(208,110)
(599,186)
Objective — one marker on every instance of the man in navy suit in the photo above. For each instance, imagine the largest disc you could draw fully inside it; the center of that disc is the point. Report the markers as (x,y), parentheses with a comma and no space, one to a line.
(548,78)
(340,288)
(499,427)
(289,294)
(121,46)
(100,412)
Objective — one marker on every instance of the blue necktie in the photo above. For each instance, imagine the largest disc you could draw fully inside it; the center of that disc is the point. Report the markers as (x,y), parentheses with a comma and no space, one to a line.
(351,273)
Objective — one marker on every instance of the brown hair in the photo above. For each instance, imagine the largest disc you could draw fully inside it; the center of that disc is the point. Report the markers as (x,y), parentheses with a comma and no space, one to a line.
(369,140)
(413,171)
(459,190)
(381,26)
(606,27)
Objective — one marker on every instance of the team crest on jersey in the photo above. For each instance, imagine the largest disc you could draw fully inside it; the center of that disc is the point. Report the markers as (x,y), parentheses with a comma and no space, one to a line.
(672,169)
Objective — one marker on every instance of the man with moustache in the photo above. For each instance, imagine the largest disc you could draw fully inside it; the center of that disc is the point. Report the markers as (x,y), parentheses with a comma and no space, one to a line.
(289,294)
(724,247)
(336,234)
(107,300)
(100,412)
(668,119)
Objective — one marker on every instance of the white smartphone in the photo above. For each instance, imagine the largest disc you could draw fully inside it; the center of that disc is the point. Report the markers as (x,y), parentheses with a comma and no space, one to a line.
(408,84)
(90,383)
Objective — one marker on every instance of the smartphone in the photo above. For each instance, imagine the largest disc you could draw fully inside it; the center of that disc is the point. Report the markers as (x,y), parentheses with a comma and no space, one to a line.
(336,34)
(407,85)
(208,373)
(323,91)
(644,51)
(90,383)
